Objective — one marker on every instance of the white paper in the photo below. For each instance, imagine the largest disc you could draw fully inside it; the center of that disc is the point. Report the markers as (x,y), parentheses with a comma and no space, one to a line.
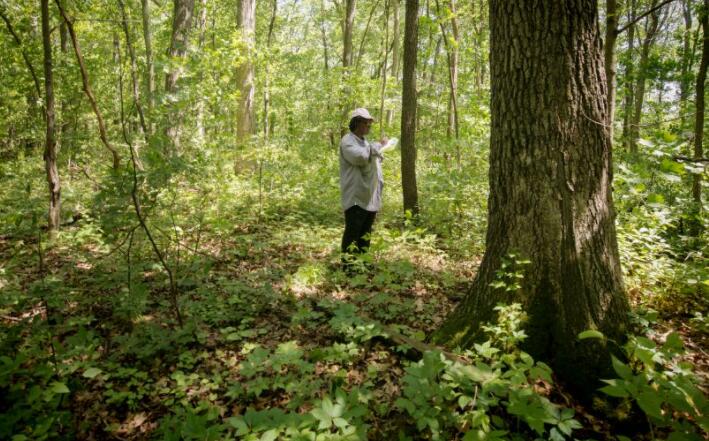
(390,145)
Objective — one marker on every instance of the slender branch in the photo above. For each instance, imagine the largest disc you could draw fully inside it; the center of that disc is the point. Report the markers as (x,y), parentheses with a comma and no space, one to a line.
(87,87)
(24,53)
(643,15)
(133,70)
(139,213)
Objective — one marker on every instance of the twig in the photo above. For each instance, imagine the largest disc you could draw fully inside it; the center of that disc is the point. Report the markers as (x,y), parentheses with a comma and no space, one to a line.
(24,53)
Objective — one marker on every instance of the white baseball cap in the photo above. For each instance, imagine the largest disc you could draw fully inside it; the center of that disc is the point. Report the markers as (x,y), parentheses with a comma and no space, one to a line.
(362,113)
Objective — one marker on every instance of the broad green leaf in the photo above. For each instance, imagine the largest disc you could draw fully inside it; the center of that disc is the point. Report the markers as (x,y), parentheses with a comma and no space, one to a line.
(651,403)
(58,388)
(91,372)
(591,333)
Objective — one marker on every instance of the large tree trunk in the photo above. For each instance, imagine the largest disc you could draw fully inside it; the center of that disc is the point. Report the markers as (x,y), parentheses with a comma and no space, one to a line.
(246,24)
(550,187)
(699,115)
(50,145)
(639,95)
(394,54)
(179,41)
(408,109)
(610,58)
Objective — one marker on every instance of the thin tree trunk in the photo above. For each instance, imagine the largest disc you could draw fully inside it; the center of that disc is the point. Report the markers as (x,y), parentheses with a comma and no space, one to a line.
(699,115)
(347,27)
(610,58)
(629,100)
(50,145)
(550,190)
(382,120)
(147,37)
(133,71)
(267,73)
(408,110)
(183,11)
(452,58)
(360,53)
(686,69)
(246,22)
(394,55)
(202,28)
(87,88)
(650,34)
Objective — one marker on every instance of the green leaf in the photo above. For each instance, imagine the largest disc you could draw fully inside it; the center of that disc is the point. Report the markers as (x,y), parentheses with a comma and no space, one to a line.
(91,372)
(591,333)
(651,403)
(614,389)
(58,388)
(622,369)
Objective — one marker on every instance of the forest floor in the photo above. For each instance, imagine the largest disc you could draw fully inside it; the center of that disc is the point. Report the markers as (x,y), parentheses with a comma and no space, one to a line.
(277,342)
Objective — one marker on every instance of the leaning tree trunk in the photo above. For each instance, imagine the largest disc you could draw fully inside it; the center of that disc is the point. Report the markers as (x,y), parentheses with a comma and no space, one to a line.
(629,98)
(408,109)
(147,36)
(179,41)
(246,22)
(686,66)
(50,146)
(699,115)
(550,187)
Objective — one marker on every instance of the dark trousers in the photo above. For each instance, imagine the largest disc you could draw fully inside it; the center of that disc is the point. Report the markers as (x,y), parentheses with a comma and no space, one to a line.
(358,224)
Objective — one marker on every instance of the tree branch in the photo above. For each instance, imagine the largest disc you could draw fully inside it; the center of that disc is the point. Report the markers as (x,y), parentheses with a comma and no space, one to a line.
(87,87)
(643,15)
(24,54)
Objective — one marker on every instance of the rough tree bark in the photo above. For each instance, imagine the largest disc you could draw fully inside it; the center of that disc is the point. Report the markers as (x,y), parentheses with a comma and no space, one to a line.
(699,115)
(50,145)
(179,41)
(408,109)
(246,24)
(202,28)
(550,187)
(382,119)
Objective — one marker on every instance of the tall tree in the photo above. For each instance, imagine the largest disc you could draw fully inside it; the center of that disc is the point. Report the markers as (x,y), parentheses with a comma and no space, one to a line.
(246,23)
(50,144)
(347,57)
(651,28)
(700,98)
(267,73)
(451,43)
(686,63)
(408,109)
(183,11)
(629,89)
(610,57)
(395,56)
(148,37)
(550,195)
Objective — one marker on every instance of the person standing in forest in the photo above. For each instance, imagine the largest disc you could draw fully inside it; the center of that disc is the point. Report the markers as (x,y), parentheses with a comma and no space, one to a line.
(361,184)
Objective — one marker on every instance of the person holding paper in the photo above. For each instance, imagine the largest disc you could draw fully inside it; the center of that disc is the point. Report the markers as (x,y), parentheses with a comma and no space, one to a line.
(361,184)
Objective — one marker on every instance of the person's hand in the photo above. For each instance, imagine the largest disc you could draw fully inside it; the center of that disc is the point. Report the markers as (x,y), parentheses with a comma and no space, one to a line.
(384,141)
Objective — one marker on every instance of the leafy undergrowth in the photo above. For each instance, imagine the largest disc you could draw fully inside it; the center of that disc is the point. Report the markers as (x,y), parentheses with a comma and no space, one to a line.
(279,344)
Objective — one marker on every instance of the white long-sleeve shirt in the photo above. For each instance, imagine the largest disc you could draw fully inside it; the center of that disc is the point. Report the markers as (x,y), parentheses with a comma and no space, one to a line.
(361,179)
